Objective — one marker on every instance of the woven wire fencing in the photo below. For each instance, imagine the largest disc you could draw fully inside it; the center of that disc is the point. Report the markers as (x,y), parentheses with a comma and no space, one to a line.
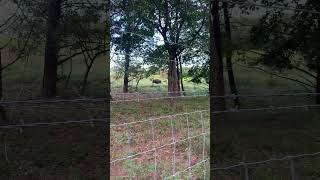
(53,138)
(245,170)
(177,146)
(160,147)
(277,151)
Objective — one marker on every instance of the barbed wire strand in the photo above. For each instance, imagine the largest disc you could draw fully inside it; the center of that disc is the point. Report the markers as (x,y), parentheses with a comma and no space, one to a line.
(102,99)
(271,108)
(157,148)
(46,124)
(265,161)
(180,172)
(157,118)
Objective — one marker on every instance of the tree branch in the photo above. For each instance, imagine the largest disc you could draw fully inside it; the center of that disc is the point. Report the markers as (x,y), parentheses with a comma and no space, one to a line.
(21,52)
(280,76)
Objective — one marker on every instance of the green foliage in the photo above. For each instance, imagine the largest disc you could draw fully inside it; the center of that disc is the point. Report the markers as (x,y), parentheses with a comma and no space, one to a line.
(127,24)
(199,74)
(284,37)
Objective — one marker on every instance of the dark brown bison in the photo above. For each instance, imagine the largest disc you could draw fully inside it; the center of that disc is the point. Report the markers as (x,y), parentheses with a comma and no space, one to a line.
(156,81)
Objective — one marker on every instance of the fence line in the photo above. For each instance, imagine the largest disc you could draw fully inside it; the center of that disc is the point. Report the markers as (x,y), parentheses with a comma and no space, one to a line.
(174,140)
(179,95)
(246,165)
(272,108)
(189,168)
(158,148)
(225,96)
(138,99)
(266,161)
(190,138)
(46,124)
(158,118)
(138,94)
(219,112)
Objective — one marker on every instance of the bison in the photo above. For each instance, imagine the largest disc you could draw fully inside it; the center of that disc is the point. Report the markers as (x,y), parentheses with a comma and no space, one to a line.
(156,81)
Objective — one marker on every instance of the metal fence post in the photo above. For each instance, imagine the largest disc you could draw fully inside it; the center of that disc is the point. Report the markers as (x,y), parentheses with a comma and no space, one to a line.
(246,171)
(22,124)
(292,169)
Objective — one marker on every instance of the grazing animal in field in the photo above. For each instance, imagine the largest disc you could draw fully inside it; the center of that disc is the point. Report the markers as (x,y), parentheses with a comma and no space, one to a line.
(156,81)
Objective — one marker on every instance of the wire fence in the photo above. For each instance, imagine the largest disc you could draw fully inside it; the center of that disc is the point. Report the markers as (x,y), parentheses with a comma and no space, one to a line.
(144,96)
(172,143)
(42,133)
(247,165)
(188,171)
(168,138)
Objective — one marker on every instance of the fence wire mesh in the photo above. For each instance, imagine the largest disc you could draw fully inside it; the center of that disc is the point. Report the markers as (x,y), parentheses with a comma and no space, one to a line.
(172,146)
(164,147)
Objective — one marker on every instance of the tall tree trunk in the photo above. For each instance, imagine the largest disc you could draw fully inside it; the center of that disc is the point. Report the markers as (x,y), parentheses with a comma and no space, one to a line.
(137,84)
(85,78)
(232,83)
(318,83)
(216,63)
(126,72)
(181,77)
(216,83)
(1,82)
(173,82)
(2,110)
(108,90)
(51,49)
(69,75)
(178,73)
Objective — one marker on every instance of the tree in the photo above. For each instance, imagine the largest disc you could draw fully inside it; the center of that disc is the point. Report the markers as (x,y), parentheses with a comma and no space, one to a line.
(179,24)
(229,53)
(216,84)
(127,24)
(89,38)
(51,48)
(15,38)
(290,41)
(57,23)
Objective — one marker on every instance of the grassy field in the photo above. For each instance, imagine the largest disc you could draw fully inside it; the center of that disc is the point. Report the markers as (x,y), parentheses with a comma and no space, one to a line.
(145,85)
(141,136)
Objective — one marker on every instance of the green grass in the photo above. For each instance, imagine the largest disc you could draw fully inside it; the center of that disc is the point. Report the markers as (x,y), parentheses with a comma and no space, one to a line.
(141,136)
(263,135)
(145,85)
